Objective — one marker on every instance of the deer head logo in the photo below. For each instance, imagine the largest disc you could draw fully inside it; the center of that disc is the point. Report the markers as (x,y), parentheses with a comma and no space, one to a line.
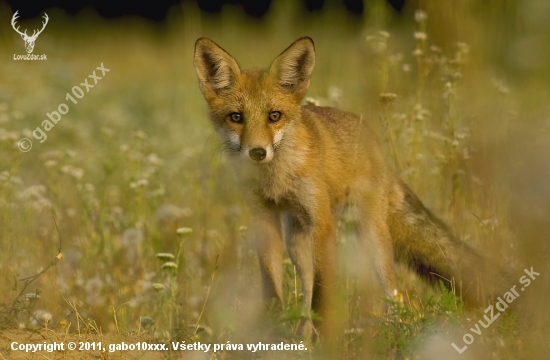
(29,40)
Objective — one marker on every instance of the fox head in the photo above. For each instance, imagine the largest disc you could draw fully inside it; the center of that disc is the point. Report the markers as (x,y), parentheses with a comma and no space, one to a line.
(253,109)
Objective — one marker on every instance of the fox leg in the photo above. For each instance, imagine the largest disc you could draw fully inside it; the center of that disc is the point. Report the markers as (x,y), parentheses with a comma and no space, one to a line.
(376,236)
(384,261)
(299,246)
(266,233)
(324,251)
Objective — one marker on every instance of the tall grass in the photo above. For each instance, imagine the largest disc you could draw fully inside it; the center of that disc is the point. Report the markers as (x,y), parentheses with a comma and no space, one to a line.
(457,94)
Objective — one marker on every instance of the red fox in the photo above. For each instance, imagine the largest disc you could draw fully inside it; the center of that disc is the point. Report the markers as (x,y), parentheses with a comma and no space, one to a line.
(302,164)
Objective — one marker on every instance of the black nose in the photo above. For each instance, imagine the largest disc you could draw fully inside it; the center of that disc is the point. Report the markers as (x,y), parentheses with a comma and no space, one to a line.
(257,154)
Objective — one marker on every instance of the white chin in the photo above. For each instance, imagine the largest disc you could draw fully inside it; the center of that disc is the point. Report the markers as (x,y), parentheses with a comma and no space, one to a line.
(249,160)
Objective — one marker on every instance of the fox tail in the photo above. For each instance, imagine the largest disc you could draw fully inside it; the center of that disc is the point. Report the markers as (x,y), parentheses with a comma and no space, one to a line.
(427,245)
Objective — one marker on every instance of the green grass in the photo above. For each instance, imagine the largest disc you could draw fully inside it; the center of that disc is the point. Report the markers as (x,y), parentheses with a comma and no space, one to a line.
(457,122)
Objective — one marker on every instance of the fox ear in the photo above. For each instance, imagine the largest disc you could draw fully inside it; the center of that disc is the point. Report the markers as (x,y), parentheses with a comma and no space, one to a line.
(292,69)
(216,69)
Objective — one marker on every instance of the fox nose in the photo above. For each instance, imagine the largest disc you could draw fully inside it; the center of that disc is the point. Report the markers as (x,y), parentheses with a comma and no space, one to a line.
(257,154)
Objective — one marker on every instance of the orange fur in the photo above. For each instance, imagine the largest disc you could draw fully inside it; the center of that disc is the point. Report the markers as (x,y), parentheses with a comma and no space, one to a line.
(302,164)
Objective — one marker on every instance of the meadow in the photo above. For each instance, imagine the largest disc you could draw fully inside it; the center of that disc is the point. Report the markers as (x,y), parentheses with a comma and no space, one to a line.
(134,221)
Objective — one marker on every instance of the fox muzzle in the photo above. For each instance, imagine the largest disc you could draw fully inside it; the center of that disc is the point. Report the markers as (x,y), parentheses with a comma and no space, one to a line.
(257,154)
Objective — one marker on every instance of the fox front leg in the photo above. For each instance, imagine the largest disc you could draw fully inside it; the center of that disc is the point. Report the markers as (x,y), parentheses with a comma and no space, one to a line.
(299,246)
(266,235)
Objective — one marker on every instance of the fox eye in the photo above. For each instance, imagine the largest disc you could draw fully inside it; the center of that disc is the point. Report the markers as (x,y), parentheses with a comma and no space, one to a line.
(274,116)
(236,117)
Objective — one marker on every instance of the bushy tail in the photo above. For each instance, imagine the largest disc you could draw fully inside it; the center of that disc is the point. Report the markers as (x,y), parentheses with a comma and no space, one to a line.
(425,244)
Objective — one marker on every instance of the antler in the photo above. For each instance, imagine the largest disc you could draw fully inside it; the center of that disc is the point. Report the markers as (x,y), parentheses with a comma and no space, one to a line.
(15,17)
(43,25)
(35,33)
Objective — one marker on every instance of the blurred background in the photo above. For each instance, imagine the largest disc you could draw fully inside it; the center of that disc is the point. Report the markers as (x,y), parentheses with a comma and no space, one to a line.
(457,92)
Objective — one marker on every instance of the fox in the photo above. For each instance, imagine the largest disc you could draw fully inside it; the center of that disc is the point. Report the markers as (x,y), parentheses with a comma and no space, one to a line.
(301,165)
